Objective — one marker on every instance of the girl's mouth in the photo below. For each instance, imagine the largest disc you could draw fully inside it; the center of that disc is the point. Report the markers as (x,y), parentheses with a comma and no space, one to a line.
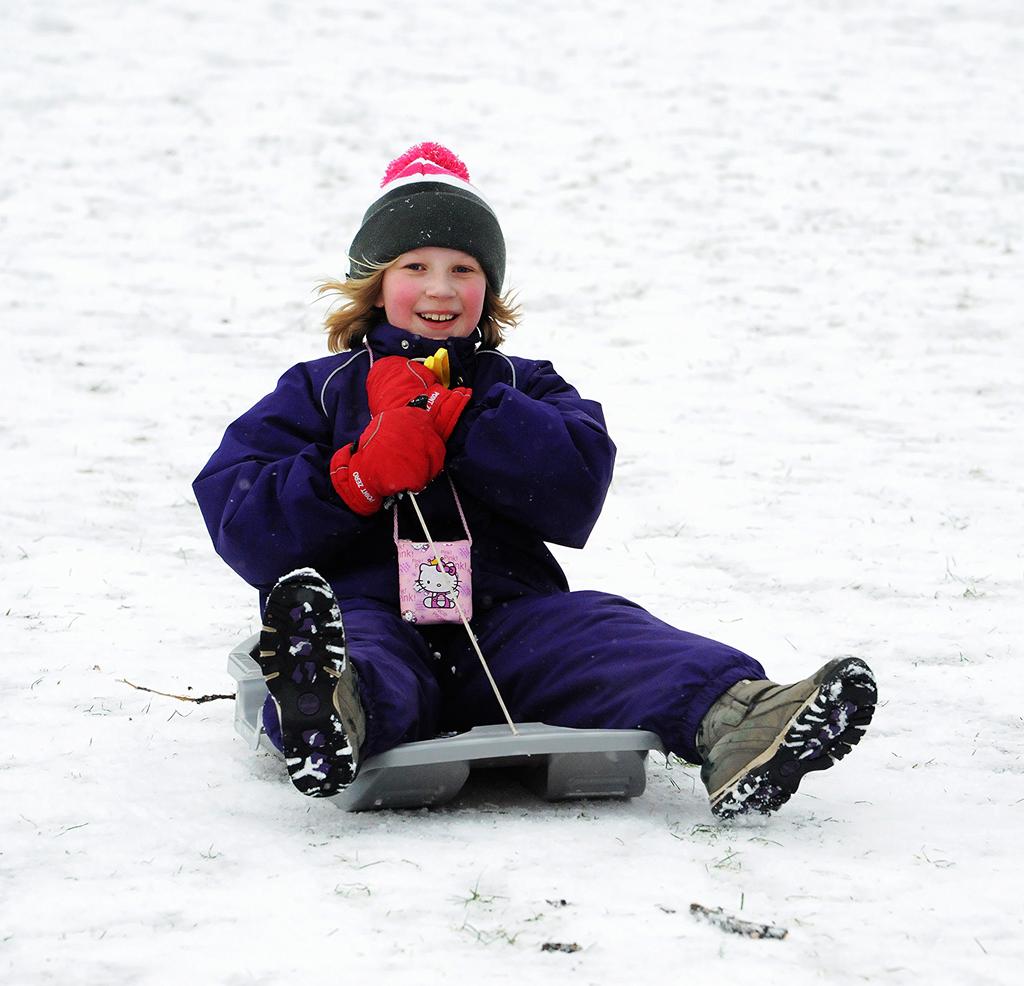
(435,317)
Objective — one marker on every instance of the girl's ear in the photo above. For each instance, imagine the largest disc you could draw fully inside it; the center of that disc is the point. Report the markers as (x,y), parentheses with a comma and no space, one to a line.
(379,303)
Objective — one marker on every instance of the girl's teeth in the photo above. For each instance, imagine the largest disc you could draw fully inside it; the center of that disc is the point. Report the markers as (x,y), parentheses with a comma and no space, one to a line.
(436,318)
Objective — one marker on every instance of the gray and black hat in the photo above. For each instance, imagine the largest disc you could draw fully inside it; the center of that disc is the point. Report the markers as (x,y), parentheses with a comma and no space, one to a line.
(428,201)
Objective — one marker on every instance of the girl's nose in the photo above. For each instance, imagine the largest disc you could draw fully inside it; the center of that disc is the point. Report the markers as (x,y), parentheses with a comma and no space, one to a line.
(439,286)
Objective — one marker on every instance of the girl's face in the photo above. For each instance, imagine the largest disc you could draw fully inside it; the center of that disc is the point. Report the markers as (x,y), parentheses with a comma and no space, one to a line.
(434,292)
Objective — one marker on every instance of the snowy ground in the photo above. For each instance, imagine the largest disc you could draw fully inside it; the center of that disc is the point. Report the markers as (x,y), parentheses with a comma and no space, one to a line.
(780,241)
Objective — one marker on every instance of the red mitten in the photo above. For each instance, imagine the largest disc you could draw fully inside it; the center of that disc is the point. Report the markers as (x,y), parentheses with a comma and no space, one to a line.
(394,381)
(399,450)
(398,382)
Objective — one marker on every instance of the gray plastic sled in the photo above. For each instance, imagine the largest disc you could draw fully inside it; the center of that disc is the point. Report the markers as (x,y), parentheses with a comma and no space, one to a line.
(554,762)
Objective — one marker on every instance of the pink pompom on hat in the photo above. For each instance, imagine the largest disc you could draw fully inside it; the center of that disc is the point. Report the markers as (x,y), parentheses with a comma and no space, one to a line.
(428,201)
(426,159)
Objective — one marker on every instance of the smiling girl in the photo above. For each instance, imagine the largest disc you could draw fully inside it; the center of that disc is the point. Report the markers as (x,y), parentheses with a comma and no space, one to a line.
(303,499)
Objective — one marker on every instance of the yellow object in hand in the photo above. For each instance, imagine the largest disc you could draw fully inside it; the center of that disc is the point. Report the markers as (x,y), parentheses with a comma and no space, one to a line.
(439,366)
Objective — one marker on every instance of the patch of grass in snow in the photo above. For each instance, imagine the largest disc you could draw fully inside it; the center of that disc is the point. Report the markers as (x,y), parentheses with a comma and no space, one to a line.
(475,897)
(489,937)
(730,861)
(969,582)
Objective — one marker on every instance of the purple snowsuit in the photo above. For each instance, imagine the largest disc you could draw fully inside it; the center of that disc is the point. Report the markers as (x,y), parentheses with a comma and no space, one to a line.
(532,462)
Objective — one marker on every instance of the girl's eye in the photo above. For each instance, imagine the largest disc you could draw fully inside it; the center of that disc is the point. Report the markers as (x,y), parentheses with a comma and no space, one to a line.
(462,269)
(415,265)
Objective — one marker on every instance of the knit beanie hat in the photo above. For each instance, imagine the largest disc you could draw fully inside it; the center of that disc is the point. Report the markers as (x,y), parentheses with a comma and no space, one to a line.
(428,201)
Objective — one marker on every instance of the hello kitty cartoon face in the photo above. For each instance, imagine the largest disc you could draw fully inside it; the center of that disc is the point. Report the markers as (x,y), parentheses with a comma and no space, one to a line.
(439,581)
(437,577)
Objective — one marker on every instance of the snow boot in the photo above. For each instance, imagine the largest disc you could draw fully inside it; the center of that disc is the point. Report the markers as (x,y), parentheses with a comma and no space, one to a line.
(759,739)
(309,676)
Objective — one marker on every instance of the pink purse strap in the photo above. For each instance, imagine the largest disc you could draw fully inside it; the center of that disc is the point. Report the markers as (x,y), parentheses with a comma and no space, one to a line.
(458,506)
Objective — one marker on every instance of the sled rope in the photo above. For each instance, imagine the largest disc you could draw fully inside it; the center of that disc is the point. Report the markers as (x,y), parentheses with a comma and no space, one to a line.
(465,622)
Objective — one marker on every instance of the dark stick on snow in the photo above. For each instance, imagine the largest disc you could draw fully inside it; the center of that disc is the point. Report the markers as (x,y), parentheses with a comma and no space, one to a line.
(718,917)
(198,699)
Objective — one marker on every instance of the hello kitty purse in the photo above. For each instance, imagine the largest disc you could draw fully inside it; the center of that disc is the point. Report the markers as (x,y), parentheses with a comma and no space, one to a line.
(431,579)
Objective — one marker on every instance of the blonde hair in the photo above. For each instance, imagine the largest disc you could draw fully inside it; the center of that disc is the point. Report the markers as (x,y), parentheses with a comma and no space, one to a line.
(347,325)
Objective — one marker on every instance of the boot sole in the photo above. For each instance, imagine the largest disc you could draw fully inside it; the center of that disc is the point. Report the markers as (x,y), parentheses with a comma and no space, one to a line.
(303,656)
(830,723)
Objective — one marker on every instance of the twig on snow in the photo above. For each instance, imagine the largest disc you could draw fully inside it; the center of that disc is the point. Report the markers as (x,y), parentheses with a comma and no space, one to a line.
(718,917)
(198,699)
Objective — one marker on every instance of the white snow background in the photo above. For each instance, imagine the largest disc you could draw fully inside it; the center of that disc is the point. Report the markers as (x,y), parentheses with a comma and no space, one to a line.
(781,242)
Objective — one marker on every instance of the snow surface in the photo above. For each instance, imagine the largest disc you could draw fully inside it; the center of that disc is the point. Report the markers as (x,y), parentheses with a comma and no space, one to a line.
(780,241)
